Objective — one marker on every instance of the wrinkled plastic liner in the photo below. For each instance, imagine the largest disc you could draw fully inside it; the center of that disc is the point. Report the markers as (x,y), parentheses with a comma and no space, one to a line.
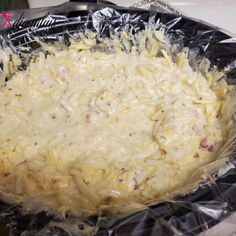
(185,215)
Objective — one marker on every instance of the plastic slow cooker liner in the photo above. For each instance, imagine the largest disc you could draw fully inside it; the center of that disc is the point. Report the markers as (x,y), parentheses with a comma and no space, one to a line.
(186,214)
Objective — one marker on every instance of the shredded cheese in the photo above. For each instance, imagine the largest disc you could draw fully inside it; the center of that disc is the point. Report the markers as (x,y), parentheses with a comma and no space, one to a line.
(81,128)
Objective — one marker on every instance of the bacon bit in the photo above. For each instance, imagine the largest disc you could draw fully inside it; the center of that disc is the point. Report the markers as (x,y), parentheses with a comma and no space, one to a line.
(53,116)
(210,148)
(204,143)
(196,155)
(108,199)
(163,152)
(6,174)
(52,181)
(136,187)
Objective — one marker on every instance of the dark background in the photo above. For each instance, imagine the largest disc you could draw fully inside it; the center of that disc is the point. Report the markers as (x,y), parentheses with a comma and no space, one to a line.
(13,4)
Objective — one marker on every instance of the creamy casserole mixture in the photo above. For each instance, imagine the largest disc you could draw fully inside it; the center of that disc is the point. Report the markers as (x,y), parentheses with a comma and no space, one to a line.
(81,127)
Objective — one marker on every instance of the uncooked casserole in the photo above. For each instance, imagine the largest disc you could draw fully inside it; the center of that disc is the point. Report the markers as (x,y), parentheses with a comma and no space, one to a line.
(90,125)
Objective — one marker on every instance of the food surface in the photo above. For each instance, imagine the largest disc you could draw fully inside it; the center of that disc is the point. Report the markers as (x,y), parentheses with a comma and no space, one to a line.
(81,128)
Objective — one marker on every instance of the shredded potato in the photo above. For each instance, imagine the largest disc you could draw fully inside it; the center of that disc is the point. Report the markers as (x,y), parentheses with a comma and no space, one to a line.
(82,128)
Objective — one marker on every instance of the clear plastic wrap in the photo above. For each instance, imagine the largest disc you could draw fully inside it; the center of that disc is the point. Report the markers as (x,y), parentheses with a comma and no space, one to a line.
(190,214)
